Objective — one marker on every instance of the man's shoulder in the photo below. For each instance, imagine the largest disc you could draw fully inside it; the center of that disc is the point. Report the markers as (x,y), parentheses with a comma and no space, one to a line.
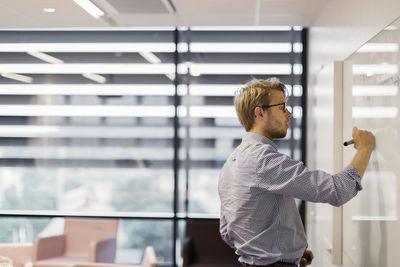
(250,153)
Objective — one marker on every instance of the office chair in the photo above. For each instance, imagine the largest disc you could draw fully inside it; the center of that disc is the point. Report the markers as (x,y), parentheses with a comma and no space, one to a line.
(84,240)
(204,247)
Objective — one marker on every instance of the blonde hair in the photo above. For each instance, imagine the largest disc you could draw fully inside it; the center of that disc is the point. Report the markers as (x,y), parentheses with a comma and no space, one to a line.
(255,93)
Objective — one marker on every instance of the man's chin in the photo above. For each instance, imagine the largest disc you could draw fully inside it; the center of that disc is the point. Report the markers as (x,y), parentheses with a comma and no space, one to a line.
(280,135)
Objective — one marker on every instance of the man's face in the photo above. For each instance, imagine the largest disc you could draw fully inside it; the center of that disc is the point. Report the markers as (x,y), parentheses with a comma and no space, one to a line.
(278,117)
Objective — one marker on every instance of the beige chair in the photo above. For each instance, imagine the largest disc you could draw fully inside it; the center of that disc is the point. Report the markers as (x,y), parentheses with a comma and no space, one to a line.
(84,240)
(19,253)
(149,260)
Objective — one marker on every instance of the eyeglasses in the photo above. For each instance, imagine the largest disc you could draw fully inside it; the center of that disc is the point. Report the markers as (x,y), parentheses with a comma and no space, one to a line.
(274,105)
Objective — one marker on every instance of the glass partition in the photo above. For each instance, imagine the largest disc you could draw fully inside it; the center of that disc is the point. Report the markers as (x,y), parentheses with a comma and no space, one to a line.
(372,102)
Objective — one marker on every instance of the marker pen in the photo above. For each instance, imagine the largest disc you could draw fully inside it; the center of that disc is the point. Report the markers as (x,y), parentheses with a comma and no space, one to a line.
(347,143)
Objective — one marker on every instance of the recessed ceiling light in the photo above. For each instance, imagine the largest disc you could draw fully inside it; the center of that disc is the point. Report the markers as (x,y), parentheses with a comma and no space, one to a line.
(49,9)
(95,77)
(45,57)
(18,77)
(91,8)
(150,57)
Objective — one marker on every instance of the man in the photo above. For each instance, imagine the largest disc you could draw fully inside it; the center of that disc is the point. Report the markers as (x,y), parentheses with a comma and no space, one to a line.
(258,185)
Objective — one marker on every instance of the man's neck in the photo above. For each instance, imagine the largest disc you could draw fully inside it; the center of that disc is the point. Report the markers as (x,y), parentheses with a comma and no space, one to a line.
(259,131)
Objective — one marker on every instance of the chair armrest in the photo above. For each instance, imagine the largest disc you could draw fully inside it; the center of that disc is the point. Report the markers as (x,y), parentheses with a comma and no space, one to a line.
(20,253)
(149,258)
(103,250)
(48,247)
(187,252)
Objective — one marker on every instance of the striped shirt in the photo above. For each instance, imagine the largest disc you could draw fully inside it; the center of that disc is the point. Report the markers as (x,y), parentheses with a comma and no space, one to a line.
(257,188)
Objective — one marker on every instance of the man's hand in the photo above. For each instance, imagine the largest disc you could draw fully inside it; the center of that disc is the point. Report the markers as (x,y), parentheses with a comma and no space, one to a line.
(364,142)
(363,139)
(307,258)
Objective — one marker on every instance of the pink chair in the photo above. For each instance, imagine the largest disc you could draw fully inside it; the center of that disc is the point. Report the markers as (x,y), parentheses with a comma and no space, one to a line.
(19,253)
(149,260)
(84,240)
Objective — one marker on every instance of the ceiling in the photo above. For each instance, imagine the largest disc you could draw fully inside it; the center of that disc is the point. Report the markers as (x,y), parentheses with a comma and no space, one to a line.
(133,13)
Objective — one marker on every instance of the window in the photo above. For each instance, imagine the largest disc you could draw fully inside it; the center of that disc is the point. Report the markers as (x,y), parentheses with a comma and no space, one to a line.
(214,63)
(133,124)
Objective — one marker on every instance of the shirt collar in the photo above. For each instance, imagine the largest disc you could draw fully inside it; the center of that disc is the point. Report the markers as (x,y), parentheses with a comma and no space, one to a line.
(250,136)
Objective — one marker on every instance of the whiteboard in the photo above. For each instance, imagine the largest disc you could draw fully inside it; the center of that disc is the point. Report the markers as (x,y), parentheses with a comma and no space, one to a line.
(371,100)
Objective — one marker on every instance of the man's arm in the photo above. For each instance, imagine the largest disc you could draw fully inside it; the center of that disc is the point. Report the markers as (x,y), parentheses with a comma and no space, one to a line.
(364,142)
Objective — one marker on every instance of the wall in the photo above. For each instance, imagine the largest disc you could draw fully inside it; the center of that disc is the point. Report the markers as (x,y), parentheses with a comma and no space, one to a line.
(340,28)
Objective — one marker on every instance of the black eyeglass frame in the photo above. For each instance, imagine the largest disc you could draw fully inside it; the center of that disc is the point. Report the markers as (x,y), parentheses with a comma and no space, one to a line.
(274,105)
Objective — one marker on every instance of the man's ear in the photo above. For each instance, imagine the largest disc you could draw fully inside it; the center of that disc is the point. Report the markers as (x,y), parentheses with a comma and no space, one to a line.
(258,112)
